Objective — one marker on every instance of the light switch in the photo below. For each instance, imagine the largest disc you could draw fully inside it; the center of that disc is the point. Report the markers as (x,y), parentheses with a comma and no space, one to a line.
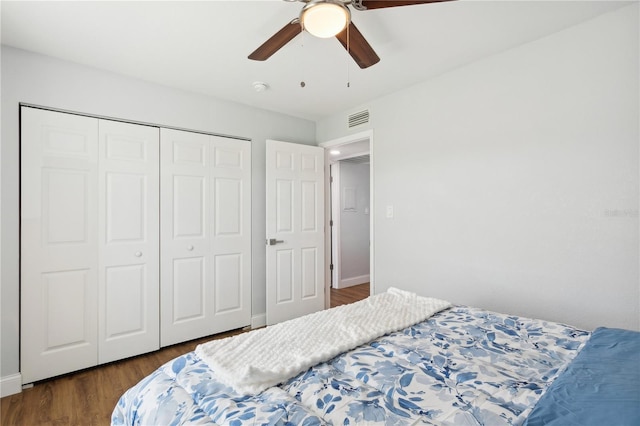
(389,212)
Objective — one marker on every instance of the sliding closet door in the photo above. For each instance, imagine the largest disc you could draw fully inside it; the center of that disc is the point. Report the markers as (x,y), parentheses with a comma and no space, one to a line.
(129,223)
(59,211)
(205,235)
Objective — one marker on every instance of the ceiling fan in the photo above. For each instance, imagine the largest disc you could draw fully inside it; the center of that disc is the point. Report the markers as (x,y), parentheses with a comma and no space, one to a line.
(331,18)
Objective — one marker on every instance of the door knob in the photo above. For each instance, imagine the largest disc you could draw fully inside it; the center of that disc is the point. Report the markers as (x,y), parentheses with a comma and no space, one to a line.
(273,241)
(190,248)
(138,253)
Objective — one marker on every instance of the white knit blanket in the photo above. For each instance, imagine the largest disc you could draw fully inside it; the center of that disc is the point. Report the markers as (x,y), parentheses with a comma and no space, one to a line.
(254,361)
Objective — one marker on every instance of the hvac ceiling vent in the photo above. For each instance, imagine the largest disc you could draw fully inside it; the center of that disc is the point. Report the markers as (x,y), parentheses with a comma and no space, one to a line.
(361,159)
(359,118)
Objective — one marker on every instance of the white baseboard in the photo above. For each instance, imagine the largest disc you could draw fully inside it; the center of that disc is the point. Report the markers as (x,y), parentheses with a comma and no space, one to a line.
(258,321)
(10,385)
(349,282)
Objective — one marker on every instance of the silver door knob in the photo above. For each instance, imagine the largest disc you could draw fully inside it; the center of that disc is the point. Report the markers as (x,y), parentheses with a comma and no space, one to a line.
(138,253)
(273,241)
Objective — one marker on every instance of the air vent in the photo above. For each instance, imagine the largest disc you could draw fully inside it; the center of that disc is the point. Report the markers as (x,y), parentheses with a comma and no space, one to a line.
(361,159)
(359,118)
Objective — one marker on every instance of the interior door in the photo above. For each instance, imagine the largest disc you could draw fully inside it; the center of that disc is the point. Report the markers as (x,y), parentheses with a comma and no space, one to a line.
(205,235)
(129,258)
(58,249)
(184,236)
(230,193)
(295,230)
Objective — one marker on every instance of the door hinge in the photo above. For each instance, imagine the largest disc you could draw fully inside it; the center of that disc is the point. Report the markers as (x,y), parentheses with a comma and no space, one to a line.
(331,223)
(331,179)
(331,267)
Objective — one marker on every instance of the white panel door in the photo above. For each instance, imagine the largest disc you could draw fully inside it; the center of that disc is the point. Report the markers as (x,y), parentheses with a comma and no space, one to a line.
(58,252)
(205,235)
(230,195)
(295,230)
(129,258)
(184,233)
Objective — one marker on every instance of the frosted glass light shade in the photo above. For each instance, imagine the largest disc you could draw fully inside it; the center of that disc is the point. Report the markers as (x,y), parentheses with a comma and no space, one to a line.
(324,19)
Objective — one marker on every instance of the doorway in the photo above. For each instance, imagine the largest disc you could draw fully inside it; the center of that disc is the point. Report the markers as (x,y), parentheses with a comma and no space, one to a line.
(349,199)
(349,221)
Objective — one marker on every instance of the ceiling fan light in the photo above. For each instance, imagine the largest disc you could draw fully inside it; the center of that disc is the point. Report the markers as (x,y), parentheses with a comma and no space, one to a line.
(324,19)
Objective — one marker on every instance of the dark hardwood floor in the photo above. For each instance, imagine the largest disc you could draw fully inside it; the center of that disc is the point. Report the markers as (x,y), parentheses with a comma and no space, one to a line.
(349,294)
(88,397)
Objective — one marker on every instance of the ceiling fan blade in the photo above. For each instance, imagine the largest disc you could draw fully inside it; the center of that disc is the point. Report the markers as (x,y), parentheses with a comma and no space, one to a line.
(359,49)
(379,4)
(277,41)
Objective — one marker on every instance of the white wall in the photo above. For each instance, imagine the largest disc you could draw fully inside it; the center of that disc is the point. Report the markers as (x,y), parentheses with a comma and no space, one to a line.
(40,80)
(354,226)
(515,179)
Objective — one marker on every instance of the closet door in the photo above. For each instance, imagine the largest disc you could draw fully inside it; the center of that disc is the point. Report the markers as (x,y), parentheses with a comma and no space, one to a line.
(129,223)
(58,252)
(231,233)
(205,235)
(184,236)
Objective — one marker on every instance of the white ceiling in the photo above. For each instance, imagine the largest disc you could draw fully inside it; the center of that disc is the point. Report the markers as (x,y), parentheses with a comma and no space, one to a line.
(202,46)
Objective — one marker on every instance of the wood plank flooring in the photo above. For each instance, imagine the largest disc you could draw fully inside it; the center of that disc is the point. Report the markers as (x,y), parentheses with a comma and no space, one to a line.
(349,294)
(88,397)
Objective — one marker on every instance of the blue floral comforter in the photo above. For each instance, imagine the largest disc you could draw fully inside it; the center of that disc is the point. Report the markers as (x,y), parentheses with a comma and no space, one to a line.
(463,366)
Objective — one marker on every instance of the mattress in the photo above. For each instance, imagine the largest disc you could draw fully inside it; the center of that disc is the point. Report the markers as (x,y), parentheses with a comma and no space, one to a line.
(462,366)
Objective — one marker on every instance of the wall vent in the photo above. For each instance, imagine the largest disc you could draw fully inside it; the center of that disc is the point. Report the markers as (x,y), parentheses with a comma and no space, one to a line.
(359,118)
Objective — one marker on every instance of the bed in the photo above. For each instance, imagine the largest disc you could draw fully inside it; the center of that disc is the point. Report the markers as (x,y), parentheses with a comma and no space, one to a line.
(460,366)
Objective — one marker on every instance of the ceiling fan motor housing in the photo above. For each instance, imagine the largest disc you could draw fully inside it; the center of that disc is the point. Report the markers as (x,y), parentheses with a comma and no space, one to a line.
(324,18)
